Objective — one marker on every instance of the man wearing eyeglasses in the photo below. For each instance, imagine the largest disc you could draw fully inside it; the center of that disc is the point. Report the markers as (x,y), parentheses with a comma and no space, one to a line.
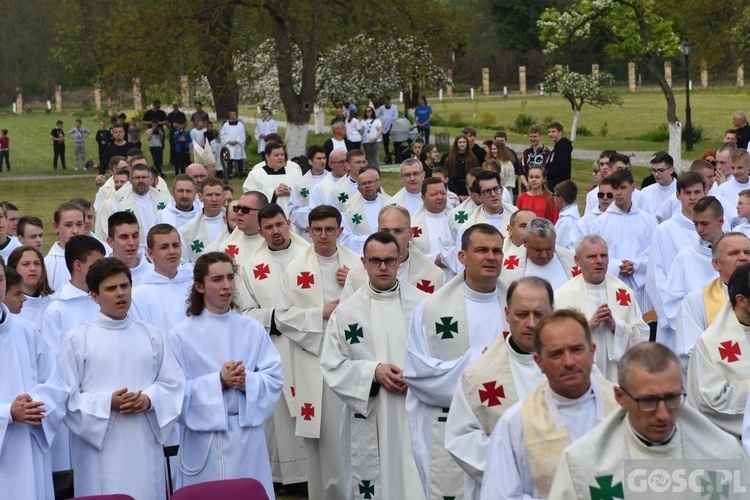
(662,167)
(346,188)
(246,236)
(448,332)
(258,292)
(362,362)
(605,196)
(458,216)
(410,196)
(719,363)
(529,439)
(652,425)
(299,198)
(310,291)
(362,210)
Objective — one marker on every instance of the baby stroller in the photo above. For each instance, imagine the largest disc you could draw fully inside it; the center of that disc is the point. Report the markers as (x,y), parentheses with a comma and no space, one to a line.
(402,135)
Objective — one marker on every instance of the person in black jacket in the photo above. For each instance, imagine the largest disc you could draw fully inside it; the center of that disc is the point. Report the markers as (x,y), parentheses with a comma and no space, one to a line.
(559,163)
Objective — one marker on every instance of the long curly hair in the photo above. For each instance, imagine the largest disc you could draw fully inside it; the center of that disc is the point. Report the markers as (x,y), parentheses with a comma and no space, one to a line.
(196,302)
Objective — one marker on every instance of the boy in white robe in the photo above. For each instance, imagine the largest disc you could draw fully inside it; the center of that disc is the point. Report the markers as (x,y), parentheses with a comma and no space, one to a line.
(530,437)
(362,359)
(234,381)
(654,195)
(32,405)
(232,136)
(124,237)
(565,201)
(126,392)
(448,332)
(504,374)
(67,222)
(653,423)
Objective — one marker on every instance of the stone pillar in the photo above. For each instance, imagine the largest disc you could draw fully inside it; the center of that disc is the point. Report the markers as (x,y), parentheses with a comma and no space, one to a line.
(595,69)
(522,79)
(185,88)
(19,101)
(668,72)
(741,76)
(704,74)
(58,98)
(449,90)
(98,97)
(137,97)
(485,81)
(631,76)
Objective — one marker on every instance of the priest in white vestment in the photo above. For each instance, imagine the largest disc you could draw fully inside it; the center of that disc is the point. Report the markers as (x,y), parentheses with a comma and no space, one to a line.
(257,296)
(234,380)
(275,178)
(183,205)
(448,332)
(530,437)
(346,188)
(628,249)
(653,425)
(208,225)
(300,195)
(613,316)
(32,406)
(430,226)
(458,216)
(311,287)
(414,267)
(700,307)
(503,375)
(410,195)
(246,235)
(718,367)
(67,222)
(362,361)
(669,238)
(361,211)
(339,167)
(126,392)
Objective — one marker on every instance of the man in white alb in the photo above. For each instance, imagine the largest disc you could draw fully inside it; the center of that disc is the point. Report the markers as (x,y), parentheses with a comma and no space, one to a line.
(208,225)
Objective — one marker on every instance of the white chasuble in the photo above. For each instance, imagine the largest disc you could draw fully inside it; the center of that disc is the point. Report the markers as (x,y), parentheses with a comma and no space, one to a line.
(198,234)
(557,272)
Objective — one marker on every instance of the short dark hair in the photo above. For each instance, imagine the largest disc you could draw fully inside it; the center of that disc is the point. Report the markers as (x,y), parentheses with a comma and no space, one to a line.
(183,178)
(322,212)
(651,356)
(469,130)
(534,282)
(115,160)
(12,277)
(383,237)
(28,220)
(555,316)
(662,157)
(619,158)
(484,175)
(440,170)
(709,203)
(140,166)
(555,125)
(688,179)
(103,269)
(501,135)
(607,153)
(567,190)
(118,219)
(621,176)
(270,146)
(352,153)
(428,182)
(159,229)
(123,171)
(86,204)
(10,206)
(210,181)
(315,149)
(80,247)
(739,283)
(270,211)
(483,228)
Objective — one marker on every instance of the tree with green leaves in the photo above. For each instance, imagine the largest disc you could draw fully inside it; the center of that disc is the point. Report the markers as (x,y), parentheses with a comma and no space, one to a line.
(634,32)
(579,89)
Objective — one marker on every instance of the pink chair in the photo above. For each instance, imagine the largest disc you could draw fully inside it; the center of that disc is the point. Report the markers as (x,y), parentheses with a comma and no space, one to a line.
(116,496)
(228,489)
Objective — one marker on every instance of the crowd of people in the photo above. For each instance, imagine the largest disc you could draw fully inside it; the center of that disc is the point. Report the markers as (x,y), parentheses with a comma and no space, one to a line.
(470,336)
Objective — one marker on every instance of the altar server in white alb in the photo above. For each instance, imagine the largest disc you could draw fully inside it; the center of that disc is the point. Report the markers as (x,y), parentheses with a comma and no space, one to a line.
(565,201)
(607,303)
(126,392)
(67,222)
(652,426)
(160,298)
(504,374)
(605,197)
(346,188)
(32,405)
(448,332)
(310,291)
(530,437)
(718,366)
(299,198)
(124,237)
(234,381)
(263,128)
(654,195)
(232,136)
(208,225)
(362,361)
(339,167)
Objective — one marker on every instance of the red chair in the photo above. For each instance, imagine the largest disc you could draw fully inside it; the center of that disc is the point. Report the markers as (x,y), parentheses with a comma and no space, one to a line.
(228,489)
(115,496)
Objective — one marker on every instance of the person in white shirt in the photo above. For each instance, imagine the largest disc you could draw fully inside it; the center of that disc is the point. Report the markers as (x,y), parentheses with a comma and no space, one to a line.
(361,212)
(301,193)
(372,136)
(662,168)
(208,225)
(29,263)
(353,128)
(31,231)
(564,198)
(125,240)
(387,114)
(410,196)
(430,223)
(740,161)
(232,136)
(183,206)
(245,238)
(8,243)
(266,126)
(339,168)
(67,222)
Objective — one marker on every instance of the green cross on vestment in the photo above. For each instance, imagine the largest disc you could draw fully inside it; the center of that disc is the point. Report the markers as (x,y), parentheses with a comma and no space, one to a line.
(461,217)
(606,490)
(354,333)
(357,219)
(366,489)
(343,198)
(446,328)
(161,205)
(197,246)
(304,192)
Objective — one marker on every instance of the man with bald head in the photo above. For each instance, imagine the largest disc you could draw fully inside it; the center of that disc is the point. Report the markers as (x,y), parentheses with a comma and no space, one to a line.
(346,188)
(197,171)
(516,230)
(339,168)
(361,211)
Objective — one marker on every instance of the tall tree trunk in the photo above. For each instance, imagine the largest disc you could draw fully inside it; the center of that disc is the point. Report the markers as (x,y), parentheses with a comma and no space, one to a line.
(674,125)
(574,127)
(220,74)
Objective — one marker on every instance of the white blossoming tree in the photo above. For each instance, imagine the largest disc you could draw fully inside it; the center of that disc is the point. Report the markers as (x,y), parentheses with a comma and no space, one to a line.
(634,32)
(579,89)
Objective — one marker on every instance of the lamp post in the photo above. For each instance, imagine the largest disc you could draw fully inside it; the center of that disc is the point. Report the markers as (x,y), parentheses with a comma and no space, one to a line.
(686,47)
